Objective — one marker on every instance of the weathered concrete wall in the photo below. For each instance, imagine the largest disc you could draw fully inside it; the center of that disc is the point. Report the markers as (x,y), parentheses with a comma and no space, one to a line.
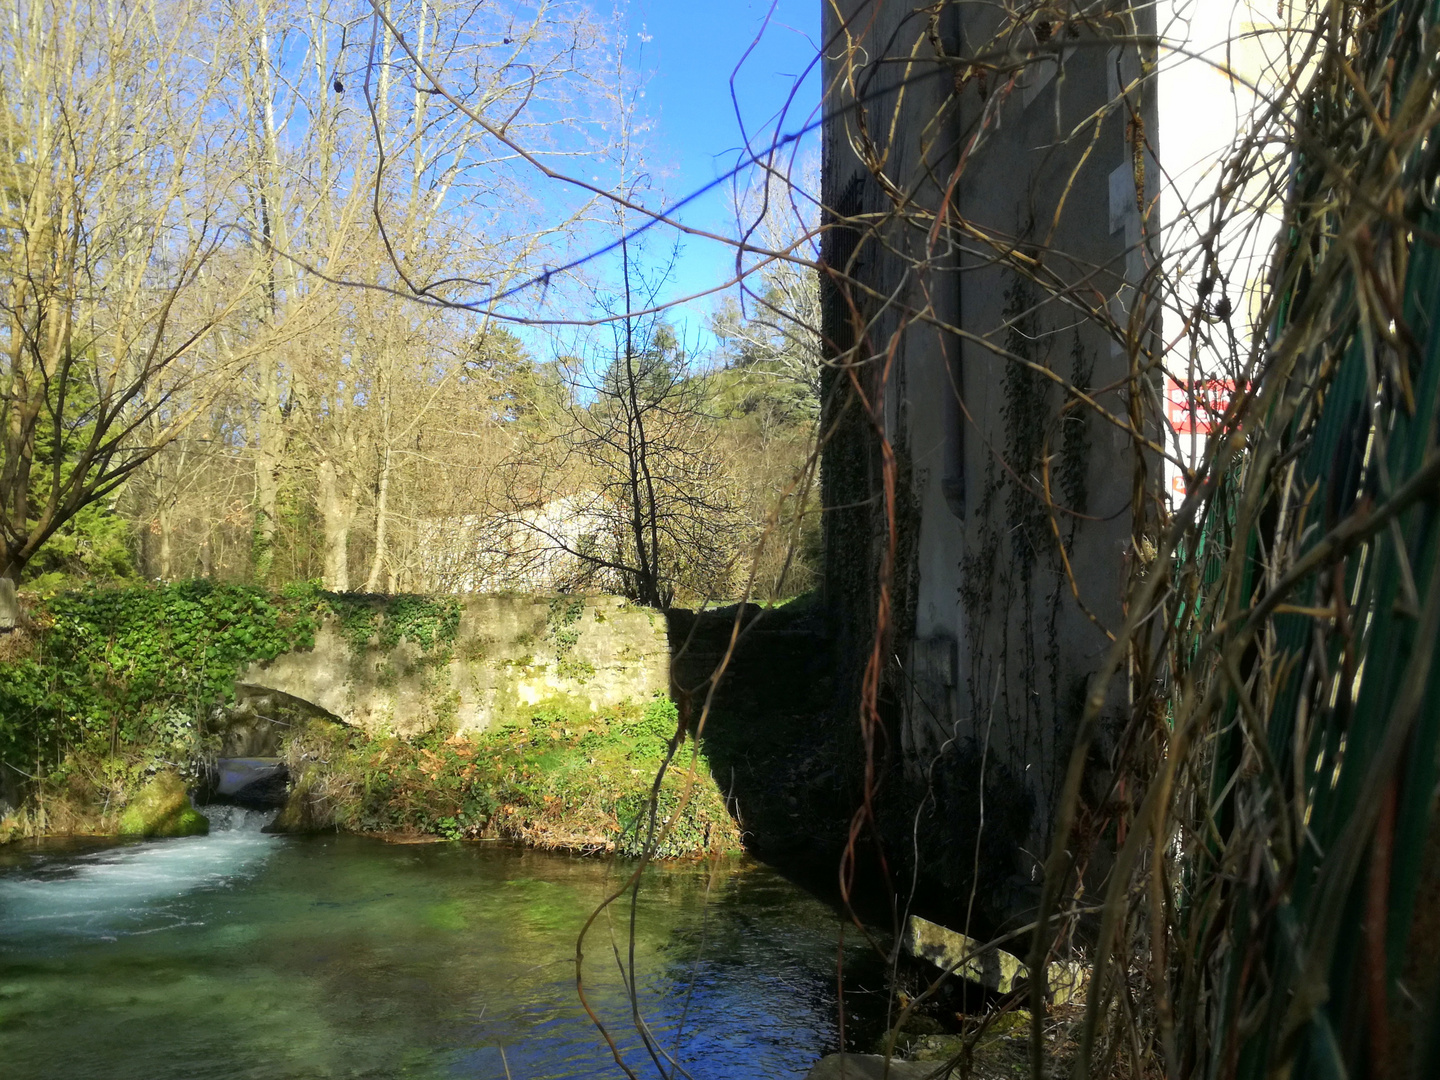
(994,654)
(511,656)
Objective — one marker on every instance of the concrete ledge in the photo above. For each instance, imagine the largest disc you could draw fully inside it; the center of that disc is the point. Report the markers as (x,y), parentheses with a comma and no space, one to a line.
(951,950)
(994,969)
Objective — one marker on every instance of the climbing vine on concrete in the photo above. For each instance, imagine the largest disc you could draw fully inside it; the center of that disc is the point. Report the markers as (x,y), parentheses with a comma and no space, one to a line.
(1013,576)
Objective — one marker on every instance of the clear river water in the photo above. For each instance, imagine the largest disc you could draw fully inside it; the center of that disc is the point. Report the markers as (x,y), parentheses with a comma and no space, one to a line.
(249,956)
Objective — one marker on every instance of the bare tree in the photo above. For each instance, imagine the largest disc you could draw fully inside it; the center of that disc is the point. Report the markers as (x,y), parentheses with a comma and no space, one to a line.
(775,319)
(370,190)
(112,277)
(631,489)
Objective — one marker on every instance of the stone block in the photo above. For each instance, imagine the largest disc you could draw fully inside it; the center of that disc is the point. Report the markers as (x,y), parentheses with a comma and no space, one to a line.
(951,950)
(1066,981)
(994,969)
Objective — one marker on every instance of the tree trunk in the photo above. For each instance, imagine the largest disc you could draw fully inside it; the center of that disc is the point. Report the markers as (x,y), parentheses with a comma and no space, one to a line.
(337,513)
(268,453)
(147,550)
(382,524)
(9,602)
(166,553)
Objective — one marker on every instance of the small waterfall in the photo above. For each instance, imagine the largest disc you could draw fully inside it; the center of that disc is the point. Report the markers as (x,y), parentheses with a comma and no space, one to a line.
(227,818)
(133,888)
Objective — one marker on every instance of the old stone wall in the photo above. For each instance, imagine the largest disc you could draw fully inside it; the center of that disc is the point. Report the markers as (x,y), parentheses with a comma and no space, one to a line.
(511,656)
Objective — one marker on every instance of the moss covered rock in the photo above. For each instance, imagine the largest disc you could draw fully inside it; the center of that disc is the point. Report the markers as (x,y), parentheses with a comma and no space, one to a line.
(162,808)
(306,808)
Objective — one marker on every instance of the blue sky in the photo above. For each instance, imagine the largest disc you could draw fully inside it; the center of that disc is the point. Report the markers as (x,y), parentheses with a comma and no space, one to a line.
(690,48)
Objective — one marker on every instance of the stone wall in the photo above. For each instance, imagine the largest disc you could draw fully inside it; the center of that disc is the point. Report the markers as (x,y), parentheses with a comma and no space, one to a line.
(511,656)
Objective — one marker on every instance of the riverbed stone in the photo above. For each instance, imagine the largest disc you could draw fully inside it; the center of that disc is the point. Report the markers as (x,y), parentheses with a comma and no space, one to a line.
(868,1067)
(941,1047)
(162,808)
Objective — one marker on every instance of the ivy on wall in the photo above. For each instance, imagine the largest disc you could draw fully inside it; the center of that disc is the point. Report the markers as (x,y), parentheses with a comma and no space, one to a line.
(560,626)
(110,668)
(432,623)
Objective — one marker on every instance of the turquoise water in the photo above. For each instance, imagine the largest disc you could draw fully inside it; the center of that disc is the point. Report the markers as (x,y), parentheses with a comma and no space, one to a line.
(255,957)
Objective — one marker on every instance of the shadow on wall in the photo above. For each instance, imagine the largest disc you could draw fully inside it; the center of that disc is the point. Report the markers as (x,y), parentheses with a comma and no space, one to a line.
(768,728)
(791,767)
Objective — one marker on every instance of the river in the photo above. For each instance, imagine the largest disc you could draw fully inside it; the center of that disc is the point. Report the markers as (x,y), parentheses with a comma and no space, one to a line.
(250,956)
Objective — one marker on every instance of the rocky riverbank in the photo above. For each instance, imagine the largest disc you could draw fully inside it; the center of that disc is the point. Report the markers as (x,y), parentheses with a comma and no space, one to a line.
(541,720)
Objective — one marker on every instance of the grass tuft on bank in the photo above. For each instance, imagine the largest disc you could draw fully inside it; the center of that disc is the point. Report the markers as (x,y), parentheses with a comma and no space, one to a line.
(561,782)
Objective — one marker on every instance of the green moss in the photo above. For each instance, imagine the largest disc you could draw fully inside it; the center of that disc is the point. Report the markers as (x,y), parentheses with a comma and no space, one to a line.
(308,808)
(581,671)
(188,822)
(650,735)
(474,649)
(447,708)
(563,630)
(517,713)
(162,808)
(386,677)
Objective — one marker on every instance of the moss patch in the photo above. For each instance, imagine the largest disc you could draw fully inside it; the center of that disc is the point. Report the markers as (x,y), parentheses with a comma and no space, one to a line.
(162,808)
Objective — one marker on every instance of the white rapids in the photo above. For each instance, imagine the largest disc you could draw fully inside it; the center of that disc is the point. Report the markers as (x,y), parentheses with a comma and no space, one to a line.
(124,890)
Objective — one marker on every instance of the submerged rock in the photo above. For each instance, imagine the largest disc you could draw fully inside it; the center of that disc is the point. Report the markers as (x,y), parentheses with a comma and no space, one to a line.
(162,808)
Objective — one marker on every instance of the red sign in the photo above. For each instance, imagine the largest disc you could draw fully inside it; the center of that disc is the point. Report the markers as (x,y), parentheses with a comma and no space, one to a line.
(1210,399)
